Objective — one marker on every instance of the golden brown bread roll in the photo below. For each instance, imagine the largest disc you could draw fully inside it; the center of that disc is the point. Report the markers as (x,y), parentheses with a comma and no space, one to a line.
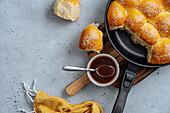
(160,53)
(134,20)
(129,4)
(91,39)
(67,9)
(166,4)
(162,23)
(151,8)
(148,34)
(116,16)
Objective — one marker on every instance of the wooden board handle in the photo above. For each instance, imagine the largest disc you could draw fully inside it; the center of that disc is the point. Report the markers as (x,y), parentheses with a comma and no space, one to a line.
(77,85)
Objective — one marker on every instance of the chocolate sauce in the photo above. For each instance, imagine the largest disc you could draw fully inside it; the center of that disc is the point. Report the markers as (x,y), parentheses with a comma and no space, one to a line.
(103,60)
(105,71)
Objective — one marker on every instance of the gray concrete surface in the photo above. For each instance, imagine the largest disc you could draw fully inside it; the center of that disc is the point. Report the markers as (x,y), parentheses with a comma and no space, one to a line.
(34,43)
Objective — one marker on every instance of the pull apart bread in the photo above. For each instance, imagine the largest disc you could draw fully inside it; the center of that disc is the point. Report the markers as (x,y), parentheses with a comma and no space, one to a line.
(148,22)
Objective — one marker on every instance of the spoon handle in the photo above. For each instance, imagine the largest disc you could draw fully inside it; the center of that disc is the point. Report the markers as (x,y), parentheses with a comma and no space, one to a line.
(72,68)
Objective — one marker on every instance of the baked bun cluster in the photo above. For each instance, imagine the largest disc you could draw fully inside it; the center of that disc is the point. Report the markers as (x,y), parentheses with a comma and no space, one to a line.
(148,22)
(91,39)
(67,9)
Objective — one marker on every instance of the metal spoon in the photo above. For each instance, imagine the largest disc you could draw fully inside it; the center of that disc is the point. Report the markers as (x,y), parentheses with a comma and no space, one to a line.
(72,68)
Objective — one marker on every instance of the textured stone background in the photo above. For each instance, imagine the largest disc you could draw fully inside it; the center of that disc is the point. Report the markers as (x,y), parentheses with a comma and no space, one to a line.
(34,43)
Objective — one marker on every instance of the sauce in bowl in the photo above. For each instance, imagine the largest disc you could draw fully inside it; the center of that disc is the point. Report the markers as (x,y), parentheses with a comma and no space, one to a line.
(103,60)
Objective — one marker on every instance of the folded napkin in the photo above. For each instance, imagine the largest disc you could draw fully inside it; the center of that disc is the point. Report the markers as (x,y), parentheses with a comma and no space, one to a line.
(44,103)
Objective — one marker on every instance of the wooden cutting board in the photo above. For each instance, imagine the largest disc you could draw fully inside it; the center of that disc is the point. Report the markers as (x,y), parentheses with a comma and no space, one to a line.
(78,84)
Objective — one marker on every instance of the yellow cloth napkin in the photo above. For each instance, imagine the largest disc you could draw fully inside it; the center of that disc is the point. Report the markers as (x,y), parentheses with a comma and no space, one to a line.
(44,103)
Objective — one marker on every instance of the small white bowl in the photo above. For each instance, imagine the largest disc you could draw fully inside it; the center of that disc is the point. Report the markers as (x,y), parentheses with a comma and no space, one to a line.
(108,83)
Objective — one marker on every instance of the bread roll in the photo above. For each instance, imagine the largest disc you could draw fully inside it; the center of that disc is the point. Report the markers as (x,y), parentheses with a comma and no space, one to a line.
(160,53)
(91,39)
(129,4)
(166,4)
(151,8)
(134,20)
(148,34)
(67,9)
(162,23)
(116,16)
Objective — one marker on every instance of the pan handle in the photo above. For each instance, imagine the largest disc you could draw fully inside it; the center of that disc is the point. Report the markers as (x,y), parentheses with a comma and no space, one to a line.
(126,84)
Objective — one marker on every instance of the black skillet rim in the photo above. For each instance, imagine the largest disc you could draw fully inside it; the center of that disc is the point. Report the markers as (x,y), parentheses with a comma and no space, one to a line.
(107,31)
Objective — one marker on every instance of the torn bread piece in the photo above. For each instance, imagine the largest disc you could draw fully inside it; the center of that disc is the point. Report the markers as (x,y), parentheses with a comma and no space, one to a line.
(91,39)
(67,9)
